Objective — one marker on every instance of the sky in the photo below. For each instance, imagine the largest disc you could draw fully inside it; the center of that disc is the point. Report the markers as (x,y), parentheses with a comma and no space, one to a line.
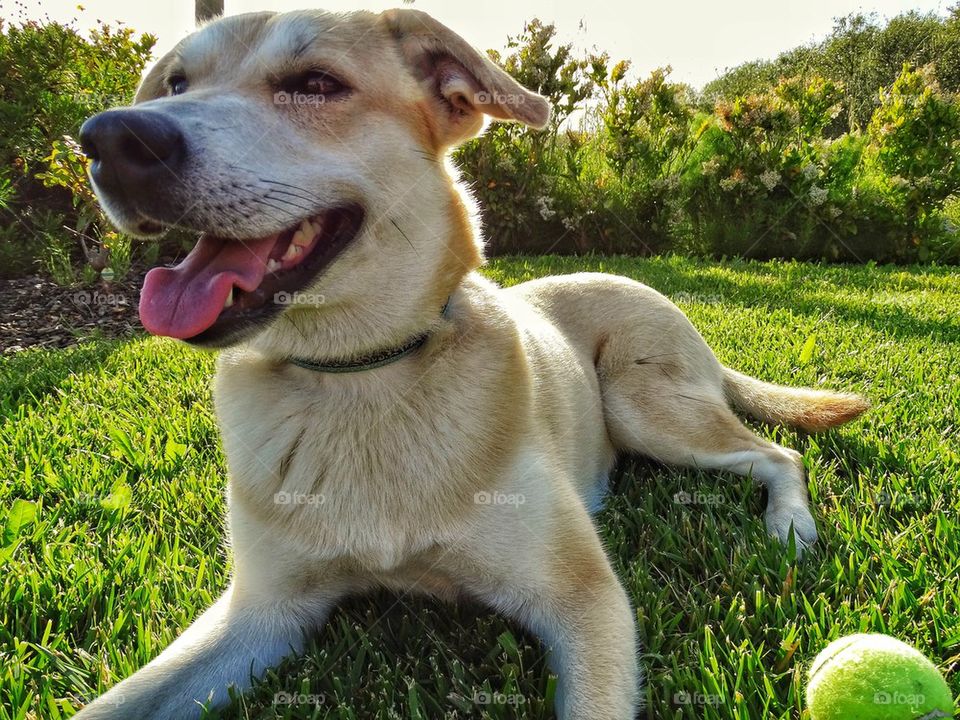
(698,39)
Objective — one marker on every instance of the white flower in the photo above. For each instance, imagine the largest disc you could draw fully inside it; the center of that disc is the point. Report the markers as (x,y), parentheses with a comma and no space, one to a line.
(546,212)
(710,166)
(569,224)
(770,179)
(810,171)
(818,195)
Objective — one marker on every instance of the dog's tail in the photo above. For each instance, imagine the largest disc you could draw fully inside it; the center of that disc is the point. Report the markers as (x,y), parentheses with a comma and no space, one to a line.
(809,410)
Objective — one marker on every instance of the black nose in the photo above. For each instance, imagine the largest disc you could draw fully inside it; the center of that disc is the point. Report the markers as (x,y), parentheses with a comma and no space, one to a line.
(133,150)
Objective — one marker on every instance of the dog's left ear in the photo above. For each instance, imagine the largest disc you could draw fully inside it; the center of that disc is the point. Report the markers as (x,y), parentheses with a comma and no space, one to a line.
(465,83)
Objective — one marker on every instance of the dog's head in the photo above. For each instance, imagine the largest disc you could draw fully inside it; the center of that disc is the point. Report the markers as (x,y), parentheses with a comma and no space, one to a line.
(301,144)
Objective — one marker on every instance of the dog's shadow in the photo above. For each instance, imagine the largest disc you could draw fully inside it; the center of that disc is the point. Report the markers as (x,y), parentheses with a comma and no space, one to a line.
(393,655)
(666,529)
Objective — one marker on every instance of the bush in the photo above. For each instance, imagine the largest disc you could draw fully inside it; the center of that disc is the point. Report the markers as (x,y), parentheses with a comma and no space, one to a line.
(51,79)
(758,184)
(642,142)
(791,165)
(510,167)
(862,56)
(763,175)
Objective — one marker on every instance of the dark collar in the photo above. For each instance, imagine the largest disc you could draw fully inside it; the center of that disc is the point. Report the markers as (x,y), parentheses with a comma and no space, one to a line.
(367,362)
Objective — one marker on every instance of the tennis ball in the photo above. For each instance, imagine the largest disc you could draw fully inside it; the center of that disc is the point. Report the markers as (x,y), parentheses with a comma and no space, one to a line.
(876,677)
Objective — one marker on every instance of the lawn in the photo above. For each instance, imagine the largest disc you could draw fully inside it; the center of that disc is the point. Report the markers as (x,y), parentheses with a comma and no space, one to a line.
(120,542)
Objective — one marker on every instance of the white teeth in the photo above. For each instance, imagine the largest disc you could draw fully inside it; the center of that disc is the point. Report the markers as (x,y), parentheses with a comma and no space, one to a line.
(273,265)
(303,237)
(293,250)
(306,227)
(229,301)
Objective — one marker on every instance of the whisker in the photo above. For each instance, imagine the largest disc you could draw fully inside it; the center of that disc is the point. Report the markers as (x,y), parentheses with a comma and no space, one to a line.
(291,194)
(394,223)
(285,216)
(277,182)
(298,206)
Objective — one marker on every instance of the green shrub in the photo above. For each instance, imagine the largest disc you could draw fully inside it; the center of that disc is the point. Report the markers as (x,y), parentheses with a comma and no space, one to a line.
(514,171)
(910,168)
(862,56)
(52,78)
(617,191)
(758,183)
(785,164)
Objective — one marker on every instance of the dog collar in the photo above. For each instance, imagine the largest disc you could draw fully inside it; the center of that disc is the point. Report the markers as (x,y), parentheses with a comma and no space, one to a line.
(367,362)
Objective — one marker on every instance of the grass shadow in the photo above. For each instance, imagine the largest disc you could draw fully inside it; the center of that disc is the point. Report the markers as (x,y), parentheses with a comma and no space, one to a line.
(788,286)
(29,375)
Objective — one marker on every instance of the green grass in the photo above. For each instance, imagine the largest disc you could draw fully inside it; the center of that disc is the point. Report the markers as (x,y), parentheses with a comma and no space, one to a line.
(115,444)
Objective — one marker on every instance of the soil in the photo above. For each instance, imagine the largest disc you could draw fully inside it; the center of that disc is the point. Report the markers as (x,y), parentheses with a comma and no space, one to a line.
(36,312)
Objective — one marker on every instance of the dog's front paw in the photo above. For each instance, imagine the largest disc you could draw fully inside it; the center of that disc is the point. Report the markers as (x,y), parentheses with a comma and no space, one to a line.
(780,520)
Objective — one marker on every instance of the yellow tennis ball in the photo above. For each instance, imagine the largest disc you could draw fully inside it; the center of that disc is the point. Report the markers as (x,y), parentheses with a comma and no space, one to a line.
(876,677)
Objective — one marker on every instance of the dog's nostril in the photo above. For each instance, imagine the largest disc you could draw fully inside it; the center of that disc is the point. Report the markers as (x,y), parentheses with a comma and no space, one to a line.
(87,139)
(144,152)
(156,143)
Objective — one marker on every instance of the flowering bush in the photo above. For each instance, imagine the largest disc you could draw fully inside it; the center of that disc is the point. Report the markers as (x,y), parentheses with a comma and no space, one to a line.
(758,183)
(51,79)
(764,175)
(627,166)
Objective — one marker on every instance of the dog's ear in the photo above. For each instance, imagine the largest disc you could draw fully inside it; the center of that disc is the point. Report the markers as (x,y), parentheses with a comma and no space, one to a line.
(464,83)
(154,83)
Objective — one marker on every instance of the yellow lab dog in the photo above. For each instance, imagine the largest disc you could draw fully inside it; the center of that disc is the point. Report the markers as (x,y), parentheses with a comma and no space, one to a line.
(390,418)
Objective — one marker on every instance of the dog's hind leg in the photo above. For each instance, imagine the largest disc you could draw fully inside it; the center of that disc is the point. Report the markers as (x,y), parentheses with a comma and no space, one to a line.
(669,403)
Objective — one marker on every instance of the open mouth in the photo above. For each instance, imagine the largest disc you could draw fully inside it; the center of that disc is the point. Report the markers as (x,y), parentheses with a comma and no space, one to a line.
(226,286)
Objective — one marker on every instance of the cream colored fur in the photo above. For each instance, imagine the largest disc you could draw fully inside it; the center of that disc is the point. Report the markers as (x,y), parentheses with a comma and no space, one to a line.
(472,465)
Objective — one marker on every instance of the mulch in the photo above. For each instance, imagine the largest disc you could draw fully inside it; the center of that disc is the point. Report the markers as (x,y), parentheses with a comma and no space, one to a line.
(36,312)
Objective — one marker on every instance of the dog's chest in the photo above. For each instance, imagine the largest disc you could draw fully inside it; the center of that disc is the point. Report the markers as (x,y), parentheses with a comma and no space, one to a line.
(369,475)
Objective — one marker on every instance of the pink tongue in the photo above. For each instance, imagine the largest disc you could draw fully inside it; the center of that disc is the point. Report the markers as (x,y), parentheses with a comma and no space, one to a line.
(185,300)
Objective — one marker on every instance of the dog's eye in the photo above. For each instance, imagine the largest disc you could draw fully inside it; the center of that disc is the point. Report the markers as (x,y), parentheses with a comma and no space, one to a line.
(314,83)
(322,84)
(178,85)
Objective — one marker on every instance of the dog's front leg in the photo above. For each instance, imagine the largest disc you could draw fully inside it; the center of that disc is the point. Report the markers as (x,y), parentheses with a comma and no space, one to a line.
(561,585)
(231,642)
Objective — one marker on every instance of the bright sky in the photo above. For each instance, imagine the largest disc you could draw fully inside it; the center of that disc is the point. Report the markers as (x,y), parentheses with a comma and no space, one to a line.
(699,39)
